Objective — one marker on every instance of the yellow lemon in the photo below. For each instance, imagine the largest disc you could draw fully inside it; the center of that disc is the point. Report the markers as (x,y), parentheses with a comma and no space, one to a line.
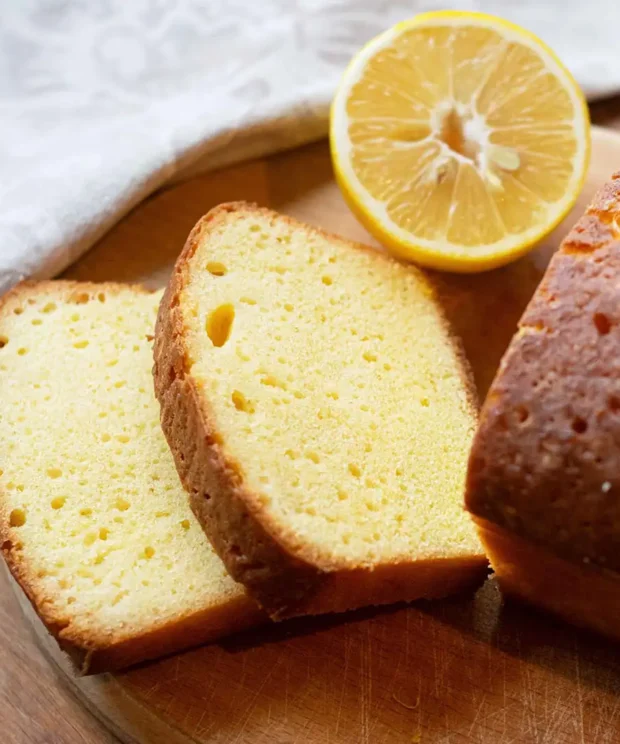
(459,140)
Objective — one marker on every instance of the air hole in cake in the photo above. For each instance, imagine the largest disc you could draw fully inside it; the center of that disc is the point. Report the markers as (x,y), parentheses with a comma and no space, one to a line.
(522,414)
(272,381)
(327,280)
(613,403)
(241,403)
(54,472)
(49,308)
(354,470)
(23,351)
(58,502)
(216,268)
(602,323)
(580,425)
(17,518)
(18,310)
(219,324)
(3,341)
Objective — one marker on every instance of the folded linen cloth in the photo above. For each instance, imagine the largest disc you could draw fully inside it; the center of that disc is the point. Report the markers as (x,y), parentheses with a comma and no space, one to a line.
(103,103)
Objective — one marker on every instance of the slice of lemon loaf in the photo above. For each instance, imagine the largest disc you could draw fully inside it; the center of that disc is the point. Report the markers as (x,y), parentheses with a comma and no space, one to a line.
(320,415)
(94,523)
(544,475)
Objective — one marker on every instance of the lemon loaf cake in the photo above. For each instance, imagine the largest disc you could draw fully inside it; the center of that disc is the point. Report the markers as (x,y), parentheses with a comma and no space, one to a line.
(94,523)
(544,481)
(320,414)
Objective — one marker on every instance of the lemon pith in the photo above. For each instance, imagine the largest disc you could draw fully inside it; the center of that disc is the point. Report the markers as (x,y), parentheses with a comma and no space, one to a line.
(459,140)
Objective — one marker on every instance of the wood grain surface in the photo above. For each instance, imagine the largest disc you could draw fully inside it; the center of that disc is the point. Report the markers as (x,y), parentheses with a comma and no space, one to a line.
(465,670)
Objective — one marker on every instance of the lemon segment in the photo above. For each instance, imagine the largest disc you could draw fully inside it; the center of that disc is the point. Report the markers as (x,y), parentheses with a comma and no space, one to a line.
(459,140)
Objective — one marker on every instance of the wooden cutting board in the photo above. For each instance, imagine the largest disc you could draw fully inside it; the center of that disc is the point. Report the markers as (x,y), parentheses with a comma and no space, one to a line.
(464,670)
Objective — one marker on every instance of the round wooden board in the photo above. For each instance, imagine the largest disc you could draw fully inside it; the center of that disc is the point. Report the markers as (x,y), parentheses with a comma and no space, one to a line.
(469,669)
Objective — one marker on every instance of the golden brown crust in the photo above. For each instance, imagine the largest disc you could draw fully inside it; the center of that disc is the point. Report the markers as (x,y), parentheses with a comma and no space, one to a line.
(241,530)
(91,651)
(93,654)
(544,464)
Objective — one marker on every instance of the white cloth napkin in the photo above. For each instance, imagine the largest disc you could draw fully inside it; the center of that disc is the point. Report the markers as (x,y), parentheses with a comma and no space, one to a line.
(103,102)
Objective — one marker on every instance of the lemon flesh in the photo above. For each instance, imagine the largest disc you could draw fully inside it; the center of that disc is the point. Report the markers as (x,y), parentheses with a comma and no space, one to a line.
(459,140)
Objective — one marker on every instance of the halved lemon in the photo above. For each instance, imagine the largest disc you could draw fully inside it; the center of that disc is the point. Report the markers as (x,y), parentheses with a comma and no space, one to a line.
(459,140)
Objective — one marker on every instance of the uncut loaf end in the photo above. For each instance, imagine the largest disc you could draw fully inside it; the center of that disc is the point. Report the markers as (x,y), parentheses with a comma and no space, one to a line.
(543,481)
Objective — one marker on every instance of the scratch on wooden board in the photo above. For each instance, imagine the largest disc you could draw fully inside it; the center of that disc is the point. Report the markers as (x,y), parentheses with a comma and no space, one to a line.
(579,694)
(504,694)
(437,667)
(406,705)
(244,671)
(553,720)
(252,702)
(528,694)
(151,691)
(286,689)
(407,633)
(603,722)
(169,705)
(476,717)
(198,724)
(347,655)
(365,684)
(610,729)
(530,701)
(392,684)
